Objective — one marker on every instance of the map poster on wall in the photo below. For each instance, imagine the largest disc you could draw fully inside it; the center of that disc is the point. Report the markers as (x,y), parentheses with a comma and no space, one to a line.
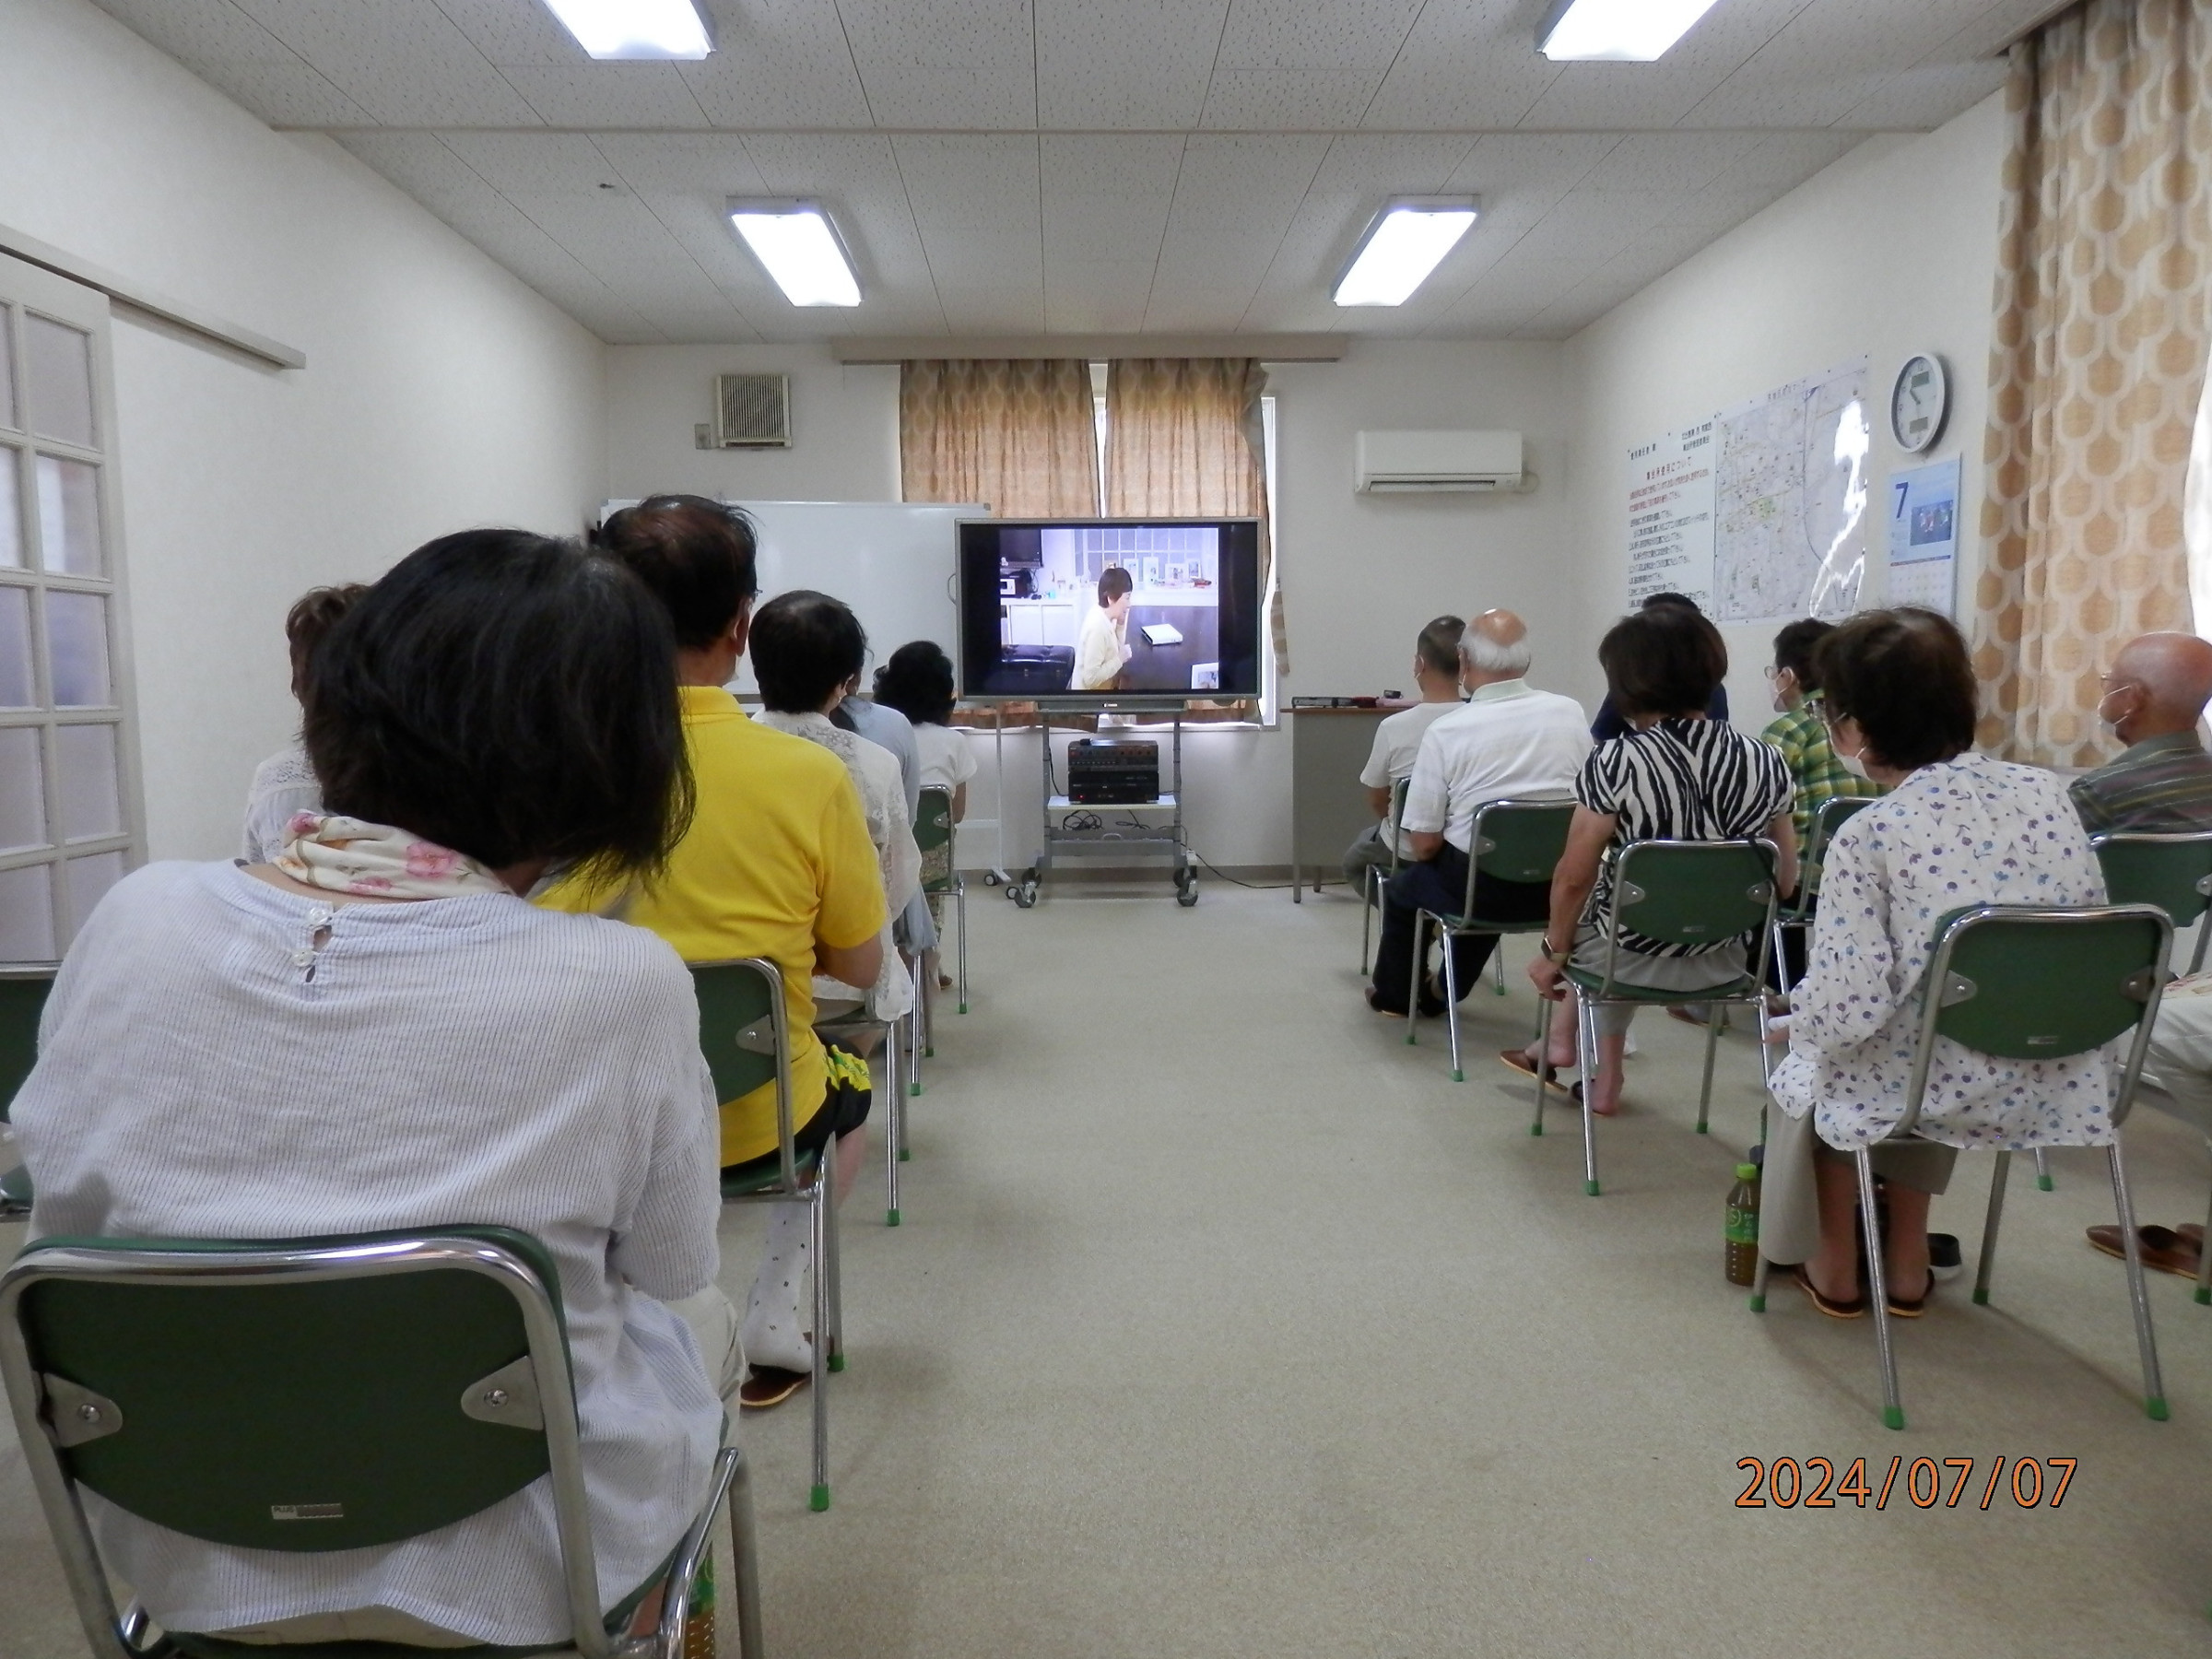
(1670,516)
(1923,537)
(1790,499)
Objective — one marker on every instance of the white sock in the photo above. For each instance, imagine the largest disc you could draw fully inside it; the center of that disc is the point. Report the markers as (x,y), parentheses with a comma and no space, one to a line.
(781,1306)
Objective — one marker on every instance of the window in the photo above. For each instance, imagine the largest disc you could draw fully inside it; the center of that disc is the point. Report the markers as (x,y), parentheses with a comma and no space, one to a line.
(69,812)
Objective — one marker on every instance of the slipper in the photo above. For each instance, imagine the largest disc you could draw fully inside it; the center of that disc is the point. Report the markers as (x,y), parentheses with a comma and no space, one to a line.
(769,1385)
(1901,1309)
(1853,1308)
(1516,1060)
(1574,1093)
(2163,1248)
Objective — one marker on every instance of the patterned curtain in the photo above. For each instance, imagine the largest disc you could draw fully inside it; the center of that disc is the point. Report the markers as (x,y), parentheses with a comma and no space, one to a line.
(2097,364)
(1183,436)
(1017,432)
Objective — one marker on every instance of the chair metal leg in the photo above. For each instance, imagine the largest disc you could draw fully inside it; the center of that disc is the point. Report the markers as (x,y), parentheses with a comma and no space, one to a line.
(1997,1178)
(917,1022)
(1544,1007)
(1459,1074)
(2154,1386)
(1412,995)
(1498,966)
(825,1323)
(745,1559)
(1877,1291)
(2043,1183)
(959,903)
(1585,1034)
(1367,912)
(2204,1264)
(2204,937)
(894,1131)
(1758,1285)
(1713,1042)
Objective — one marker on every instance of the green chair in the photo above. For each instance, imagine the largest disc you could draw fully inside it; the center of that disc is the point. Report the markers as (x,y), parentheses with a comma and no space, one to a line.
(745,1035)
(1513,840)
(880,1040)
(23,988)
(2173,871)
(933,829)
(316,1395)
(1671,892)
(1372,881)
(2030,983)
(1829,817)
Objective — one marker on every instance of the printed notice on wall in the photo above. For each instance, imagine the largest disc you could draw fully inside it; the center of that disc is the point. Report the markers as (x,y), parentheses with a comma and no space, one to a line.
(1923,537)
(1670,516)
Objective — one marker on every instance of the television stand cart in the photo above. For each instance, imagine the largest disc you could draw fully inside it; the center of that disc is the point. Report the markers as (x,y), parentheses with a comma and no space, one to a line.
(1142,830)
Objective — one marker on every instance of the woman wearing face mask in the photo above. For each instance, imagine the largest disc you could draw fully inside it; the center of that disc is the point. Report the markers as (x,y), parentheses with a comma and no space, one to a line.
(1958,829)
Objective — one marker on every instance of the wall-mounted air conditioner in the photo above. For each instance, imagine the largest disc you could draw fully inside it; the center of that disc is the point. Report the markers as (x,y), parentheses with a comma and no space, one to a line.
(752,411)
(1430,462)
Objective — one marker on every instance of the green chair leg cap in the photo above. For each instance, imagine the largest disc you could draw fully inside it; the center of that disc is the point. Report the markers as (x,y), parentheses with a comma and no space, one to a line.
(2043,1183)
(1758,1304)
(1981,1299)
(1458,1075)
(963,1007)
(817,1499)
(890,1219)
(905,1156)
(1536,1128)
(837,1360)
(1893,1417)
(2155,1408)
(1591,1188)
(1408,1038)
(1701,1129)
(2204,1295)
(913,1089)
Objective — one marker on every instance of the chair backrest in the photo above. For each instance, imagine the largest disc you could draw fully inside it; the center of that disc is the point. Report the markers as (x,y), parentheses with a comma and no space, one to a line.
(23,988)
(1516,840)
(305,1396)
(2041,983)
(744,1032)
(2173,871)
(933,818)
(1398,817)
(1829,817)
(1679,892)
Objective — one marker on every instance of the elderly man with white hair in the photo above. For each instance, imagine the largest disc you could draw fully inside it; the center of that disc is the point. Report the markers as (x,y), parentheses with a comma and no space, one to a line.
(1508,742)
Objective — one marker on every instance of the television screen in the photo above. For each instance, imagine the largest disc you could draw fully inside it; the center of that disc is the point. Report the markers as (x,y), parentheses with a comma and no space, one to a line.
(1110,607)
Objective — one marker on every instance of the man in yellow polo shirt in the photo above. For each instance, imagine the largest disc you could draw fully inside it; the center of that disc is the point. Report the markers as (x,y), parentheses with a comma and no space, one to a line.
(777,863)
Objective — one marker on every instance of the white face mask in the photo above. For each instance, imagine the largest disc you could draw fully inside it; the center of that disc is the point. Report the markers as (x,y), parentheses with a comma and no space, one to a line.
(1853,765)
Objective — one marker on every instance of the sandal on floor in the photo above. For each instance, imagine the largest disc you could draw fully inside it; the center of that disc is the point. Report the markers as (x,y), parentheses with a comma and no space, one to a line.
(2163,1248)
(1901,1309)
(1853,1308)
(1517,1061)
(769,1385)
(1574,1093)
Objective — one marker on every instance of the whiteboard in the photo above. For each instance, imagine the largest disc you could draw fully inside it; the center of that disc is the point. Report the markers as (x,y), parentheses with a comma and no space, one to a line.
(892,561)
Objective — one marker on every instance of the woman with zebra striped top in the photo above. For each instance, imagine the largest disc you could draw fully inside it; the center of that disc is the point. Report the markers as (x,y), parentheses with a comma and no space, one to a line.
(1676,775)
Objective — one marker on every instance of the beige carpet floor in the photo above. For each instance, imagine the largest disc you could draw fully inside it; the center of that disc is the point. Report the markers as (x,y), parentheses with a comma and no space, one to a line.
(1223,1322)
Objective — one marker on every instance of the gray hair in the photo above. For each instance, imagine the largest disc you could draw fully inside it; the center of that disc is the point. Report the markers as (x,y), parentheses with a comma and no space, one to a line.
(1486,655)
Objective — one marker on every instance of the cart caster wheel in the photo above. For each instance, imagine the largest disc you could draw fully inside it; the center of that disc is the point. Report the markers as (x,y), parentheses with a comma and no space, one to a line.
(989,878)
(1188,897)
(1024,896)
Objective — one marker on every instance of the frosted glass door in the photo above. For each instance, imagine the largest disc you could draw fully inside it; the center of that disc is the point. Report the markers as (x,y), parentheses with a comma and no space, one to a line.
(70,819)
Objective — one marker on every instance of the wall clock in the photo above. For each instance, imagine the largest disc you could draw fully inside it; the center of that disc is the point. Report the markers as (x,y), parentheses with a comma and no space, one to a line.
(1918,403)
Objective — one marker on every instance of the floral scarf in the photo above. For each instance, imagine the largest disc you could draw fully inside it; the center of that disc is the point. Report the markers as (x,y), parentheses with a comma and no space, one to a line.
(376,861)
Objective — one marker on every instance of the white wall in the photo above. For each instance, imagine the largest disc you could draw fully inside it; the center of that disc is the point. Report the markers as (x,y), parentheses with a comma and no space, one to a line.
(440,391)
(1361,574)
(1890,250)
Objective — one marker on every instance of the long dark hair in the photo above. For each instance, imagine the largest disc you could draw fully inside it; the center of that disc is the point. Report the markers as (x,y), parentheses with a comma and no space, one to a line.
(509,696)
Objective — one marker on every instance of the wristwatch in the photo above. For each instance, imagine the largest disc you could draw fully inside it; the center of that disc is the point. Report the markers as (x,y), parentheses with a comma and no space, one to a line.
(1557,958)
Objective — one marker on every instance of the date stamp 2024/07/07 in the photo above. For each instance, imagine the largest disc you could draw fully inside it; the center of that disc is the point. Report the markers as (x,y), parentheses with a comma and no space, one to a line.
(1922,1482)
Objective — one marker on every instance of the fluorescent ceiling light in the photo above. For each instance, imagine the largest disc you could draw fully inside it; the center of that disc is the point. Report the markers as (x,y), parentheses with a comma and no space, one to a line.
(1626,32)
(1407,240)
(800,248)
(636,29)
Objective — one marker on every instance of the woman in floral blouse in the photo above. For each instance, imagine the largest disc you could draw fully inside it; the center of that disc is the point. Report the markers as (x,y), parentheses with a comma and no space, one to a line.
(1958,829)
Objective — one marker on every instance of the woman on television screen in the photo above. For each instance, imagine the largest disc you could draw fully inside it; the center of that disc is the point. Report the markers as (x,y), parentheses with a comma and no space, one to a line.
(1104,646)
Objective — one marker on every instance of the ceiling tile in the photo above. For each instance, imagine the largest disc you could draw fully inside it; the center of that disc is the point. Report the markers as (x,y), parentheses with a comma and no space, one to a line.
(1927,96)
(196,31)
(403,61)
(533,163)
(287,95)
(1125,63)
(945,63)
(1660,94)
(609,95)
(1466,64)
(1669,161)
(1289,99)
(779,63)
(1827,60)
(1299,34)
(713,166)
(515,34)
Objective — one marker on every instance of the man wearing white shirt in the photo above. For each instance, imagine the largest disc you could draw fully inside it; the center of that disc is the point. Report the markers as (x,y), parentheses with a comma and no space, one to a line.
(1509,742)
(1398,740)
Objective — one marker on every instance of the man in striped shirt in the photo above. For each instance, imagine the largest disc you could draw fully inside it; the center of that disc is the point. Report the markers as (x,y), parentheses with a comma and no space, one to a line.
(2154,696)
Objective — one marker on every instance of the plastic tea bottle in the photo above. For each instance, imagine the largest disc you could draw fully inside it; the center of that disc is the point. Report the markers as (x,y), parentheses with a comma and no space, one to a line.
(1740,1254)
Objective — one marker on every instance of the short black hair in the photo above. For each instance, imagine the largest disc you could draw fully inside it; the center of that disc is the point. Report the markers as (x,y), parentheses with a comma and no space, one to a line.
(696,556)
(804,646)
(511,696)
(1438,644)
(1662,660)
(313,614)
(1796,648)
(1681,601)
(917,681)
(1906,677)
(1113,581)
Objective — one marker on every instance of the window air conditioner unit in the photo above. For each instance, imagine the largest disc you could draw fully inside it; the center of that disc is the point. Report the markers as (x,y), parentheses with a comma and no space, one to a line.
(752,411)
(1432,462)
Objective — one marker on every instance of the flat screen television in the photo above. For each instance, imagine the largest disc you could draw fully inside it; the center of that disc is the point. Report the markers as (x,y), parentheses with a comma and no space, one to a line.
(1110,609)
